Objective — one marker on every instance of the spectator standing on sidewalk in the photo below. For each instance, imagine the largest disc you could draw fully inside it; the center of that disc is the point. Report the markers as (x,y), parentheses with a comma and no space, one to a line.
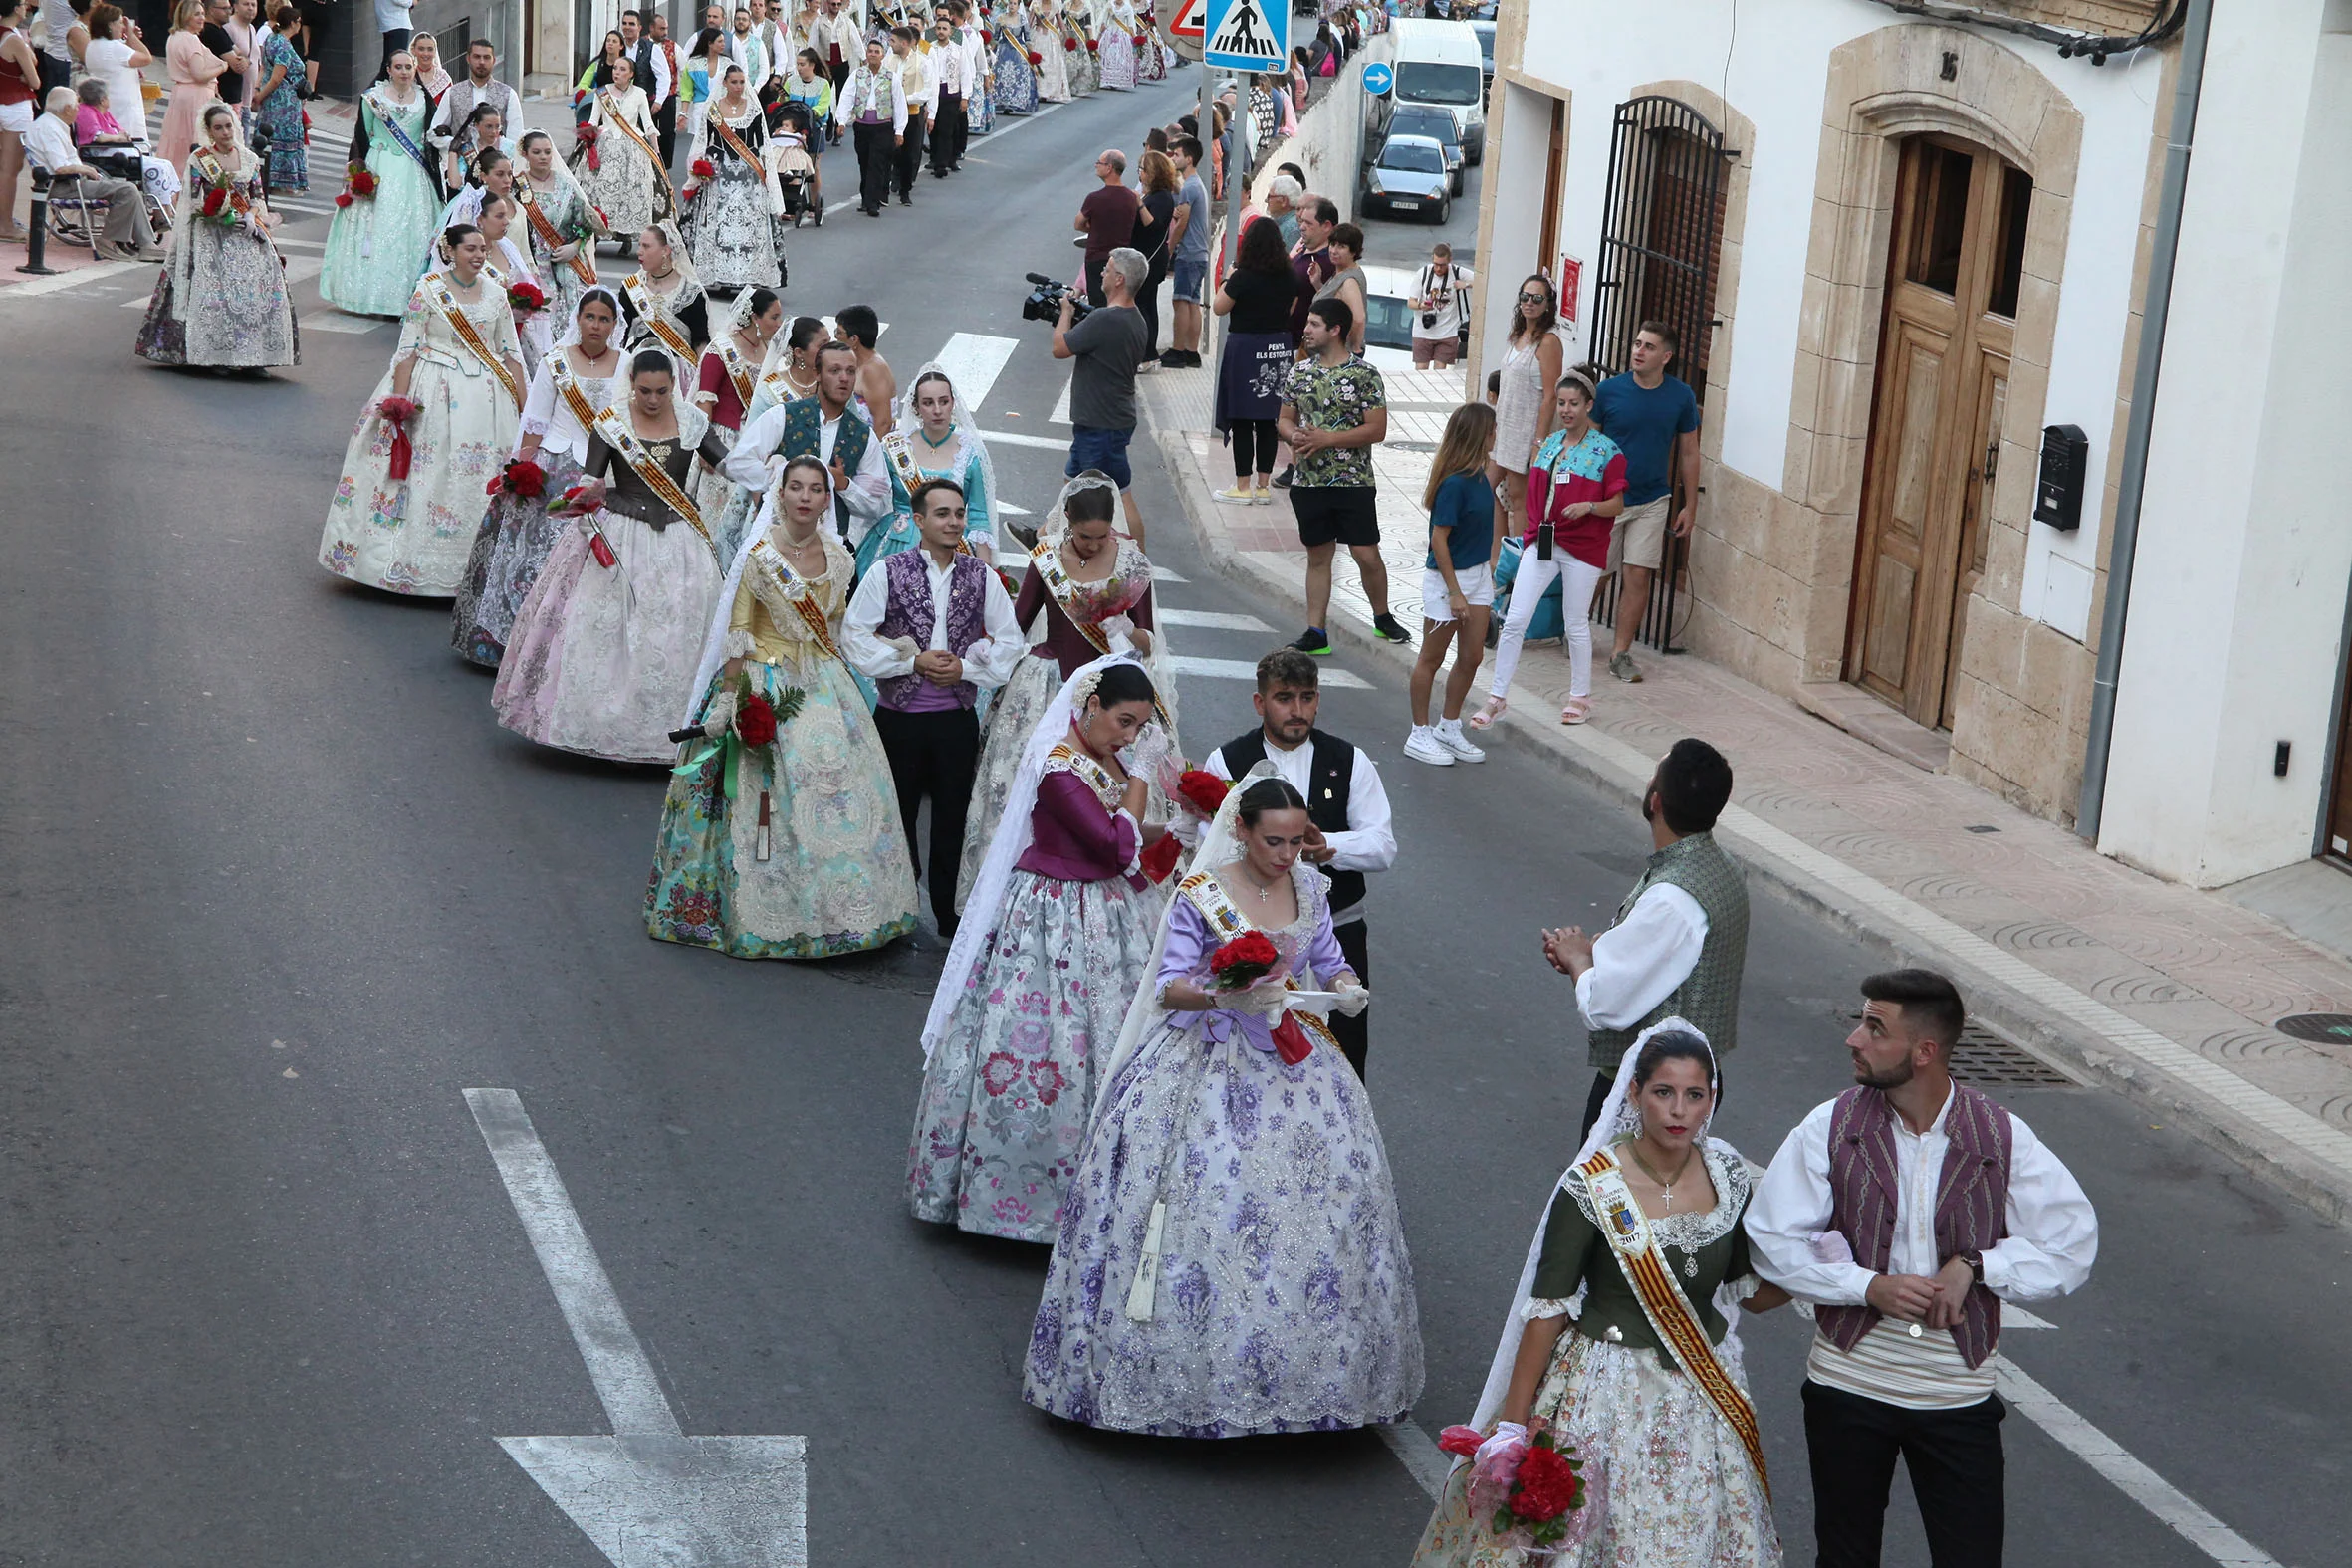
(1155,172)
(1255,299)
(1679,943)
(1457,583)
(20,85)
(1106,218)
(1189,241)
(1108,346)
(1654,418)
(1346,282)
(57,54)
(1437,309)
(393,24)
(1334,411)
(1531,362)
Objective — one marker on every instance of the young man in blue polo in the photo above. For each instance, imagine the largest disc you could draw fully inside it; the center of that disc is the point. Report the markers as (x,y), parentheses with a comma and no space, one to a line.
(1654,419)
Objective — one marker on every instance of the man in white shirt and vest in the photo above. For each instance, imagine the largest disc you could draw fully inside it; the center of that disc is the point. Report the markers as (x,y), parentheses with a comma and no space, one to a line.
(1907,1210)
(918,79)
(824,426)
(1679,943)
(1349,826)
(872,107)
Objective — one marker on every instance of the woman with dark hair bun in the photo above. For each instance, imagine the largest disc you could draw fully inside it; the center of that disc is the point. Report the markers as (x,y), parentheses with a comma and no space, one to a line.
(1055,939)
(1229,1259)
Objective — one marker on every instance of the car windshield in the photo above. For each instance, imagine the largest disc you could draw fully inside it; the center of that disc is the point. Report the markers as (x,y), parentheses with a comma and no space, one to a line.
(1387,324)
(1414,159)
(1422,123)
(1430,83)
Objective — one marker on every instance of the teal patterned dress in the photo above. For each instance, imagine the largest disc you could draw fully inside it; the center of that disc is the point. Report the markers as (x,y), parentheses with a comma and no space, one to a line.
(958,458)
(836,878)
(373,246)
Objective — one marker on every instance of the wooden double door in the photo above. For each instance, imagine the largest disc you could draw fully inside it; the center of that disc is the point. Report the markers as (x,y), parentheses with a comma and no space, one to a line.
(1953,269)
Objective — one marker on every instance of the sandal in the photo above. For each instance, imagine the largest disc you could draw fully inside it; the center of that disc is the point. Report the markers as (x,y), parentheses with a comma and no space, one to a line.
(1495,708)
(1577,710)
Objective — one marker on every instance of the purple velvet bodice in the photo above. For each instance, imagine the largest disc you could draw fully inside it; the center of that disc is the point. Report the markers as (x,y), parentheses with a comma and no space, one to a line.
(1074,837)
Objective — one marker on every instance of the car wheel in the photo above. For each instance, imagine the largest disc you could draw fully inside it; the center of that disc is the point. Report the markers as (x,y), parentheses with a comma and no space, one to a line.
(1445,211)
(1457,186)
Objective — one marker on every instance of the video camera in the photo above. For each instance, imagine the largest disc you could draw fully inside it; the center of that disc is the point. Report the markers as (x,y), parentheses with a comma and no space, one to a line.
(1044,301)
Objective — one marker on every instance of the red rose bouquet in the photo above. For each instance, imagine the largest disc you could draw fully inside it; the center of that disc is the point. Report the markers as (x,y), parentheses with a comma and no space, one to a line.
(1070,45)
(585,138)
(361,182)
(755,721)
(1093,47)
(702,168)
(397,412)
(1036,59)
(525,296)
(521,478)
(216,200)
(1203,792)
(1531,1484)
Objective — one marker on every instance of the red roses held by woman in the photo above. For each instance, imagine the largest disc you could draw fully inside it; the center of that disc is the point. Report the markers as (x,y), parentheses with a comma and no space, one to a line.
(586,136)
(1530,1483)
(522,478)
(1243,962)
(397,412)
(755,721)
(358,184)
(524,297)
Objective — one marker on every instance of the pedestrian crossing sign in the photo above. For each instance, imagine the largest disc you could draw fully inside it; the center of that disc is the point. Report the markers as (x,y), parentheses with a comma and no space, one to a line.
(1249,35)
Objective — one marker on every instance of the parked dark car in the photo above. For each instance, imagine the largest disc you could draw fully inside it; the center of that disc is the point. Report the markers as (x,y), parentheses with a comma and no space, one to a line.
(1419,119)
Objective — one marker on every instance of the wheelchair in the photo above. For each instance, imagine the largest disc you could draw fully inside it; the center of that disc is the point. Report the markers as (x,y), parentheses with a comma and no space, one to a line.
(79,218)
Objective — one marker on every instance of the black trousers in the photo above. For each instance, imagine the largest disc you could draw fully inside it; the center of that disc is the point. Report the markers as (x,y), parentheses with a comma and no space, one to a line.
(395,40)
(1094,294)
(874,164)
(908,160)
(935,755)
(1253,441)
(665,130)
(947,132)
(1956,1463)
(1604,1082)
(1354,1034)
(841,76)
(1147,304)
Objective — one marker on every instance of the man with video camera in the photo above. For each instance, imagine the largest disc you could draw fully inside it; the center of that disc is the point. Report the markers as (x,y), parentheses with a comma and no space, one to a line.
(1107,346)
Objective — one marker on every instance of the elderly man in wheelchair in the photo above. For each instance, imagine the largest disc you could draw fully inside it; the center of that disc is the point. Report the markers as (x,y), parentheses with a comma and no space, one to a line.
(82,200)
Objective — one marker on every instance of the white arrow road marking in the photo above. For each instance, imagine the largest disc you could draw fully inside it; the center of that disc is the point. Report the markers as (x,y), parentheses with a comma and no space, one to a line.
(973,361)
(1008,438)
(1061,413)
(648,1495)
(1247,670)
(1214,621)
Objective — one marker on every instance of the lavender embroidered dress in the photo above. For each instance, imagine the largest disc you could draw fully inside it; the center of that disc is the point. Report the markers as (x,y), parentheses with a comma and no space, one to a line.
(1286,1300)
(1007,1092)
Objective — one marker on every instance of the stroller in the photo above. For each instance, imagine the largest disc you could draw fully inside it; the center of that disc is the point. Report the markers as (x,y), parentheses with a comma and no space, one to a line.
(795,169)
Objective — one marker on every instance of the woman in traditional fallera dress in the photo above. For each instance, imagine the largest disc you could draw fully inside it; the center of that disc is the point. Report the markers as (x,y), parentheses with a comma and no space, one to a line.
(489,172)
(619,168)
(1115,49)
(370,267)
(791,849)
(1078,568)
(558,224)
(936,439)
(1055,940)
(734,216)
(573,385)
(1050,44)
(724,388)
(1677,1485)
(1016,90)
(459,365)
(602,658)
(220,302)
(1229,1259)
(1086,66)
(662,305)
(509,265)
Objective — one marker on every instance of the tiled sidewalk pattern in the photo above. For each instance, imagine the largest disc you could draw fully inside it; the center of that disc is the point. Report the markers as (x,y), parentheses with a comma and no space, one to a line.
(2197,968)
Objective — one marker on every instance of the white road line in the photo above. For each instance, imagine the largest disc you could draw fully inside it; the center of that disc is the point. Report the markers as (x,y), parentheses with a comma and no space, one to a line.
(1061,413)
(1247,670)
(973,361)
(1163,574)
(616,1363)
(1042,443)
(983,143)
(1215,620)
(2133,1478)
(332,320)
(1421,1457)
(285,244)
(33,288)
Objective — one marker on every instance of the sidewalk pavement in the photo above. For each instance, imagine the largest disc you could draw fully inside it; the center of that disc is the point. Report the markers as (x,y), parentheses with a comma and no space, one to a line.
(2116,979)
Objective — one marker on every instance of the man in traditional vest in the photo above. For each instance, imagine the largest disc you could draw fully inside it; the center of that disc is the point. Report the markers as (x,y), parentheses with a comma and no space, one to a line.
(930,628)
(479,85)
(1907,1210)
(1349,829)
(823,426)
(1680,939)
(872,107)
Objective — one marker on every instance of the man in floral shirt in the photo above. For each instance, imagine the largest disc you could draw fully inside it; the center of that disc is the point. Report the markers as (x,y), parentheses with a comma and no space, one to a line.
(1334,411)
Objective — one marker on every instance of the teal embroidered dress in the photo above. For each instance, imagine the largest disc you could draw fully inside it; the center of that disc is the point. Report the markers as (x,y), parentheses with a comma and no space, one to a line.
(373,246)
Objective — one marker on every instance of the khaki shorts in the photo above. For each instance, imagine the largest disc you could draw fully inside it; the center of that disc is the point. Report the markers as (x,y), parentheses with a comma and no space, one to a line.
(1639,539)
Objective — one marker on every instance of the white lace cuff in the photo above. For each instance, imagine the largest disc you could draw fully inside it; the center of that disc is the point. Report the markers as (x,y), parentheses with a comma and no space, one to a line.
(1134,865)
(1543,1307)
(739,644)
(1742,1288)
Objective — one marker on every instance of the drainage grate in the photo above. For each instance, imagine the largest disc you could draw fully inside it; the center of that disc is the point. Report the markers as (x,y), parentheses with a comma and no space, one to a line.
(1982,1057)
(2327,1028)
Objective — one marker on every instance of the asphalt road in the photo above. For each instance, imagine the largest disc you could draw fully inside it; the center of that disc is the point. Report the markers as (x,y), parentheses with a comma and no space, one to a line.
(275,891)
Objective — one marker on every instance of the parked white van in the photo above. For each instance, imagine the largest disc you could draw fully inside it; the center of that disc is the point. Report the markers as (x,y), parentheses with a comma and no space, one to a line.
(1441,65)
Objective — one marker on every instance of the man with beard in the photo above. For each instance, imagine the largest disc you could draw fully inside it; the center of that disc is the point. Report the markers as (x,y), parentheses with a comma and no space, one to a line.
(823,426)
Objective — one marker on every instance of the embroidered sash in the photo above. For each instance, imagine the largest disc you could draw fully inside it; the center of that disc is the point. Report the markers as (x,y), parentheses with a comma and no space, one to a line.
(1044,559)
(655,315)
(902,453)
(568,388)
(1091,772)
(653,158)
(617,435)
(385,116)
(436,289)
(792,589)
(1670,1312)
(728,135)
(544,229)
(738,372)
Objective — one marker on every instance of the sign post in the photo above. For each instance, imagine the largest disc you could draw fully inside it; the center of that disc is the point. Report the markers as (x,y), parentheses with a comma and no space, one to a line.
(1248,35)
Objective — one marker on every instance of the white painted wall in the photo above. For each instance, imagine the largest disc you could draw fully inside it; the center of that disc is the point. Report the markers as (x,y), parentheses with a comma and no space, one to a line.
(1773,70)
(2237,599)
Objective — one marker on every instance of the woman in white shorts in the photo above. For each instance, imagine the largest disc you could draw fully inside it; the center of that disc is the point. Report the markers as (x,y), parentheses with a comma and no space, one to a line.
(1575,486)
(1457,583)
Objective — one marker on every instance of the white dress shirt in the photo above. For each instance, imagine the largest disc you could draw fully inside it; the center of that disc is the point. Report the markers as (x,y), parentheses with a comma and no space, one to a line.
(1638,962)
(1368,843)
(918,74)
(750,53)
(976,61)
(884,81)
(988,663)
(50,144)
(2054,1238)
(757,464)
(949,66)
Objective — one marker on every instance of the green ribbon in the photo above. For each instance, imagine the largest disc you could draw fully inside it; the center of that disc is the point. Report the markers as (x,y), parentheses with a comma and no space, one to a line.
(728,746)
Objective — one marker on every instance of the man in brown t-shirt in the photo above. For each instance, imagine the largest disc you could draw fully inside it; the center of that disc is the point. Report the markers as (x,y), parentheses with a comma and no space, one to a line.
(1106,218)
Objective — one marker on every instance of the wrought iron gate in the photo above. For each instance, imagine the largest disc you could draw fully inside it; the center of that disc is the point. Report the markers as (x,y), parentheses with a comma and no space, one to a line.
(1661,233)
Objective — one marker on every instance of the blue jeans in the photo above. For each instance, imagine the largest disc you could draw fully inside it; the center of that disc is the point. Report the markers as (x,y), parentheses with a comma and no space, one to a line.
(1092,446)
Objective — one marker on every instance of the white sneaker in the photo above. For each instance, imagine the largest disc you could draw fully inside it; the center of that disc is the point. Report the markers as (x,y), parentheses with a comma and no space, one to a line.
(1449,735)
(1423,746)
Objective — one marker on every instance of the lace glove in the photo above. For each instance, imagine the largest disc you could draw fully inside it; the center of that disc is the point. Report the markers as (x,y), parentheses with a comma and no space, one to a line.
(720,714)
(902,645)
(1354,997)
(1267,998)
(1116,631)
(1151,748)
(1505,1434)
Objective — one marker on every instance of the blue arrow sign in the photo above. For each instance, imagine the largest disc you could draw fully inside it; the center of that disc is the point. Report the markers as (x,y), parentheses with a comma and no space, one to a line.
(1248,35)
(1378,78)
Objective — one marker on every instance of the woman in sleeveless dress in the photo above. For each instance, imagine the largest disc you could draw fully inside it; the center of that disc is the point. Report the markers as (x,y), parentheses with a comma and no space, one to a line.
(802,855)
(1531,362)
(1225,1266)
